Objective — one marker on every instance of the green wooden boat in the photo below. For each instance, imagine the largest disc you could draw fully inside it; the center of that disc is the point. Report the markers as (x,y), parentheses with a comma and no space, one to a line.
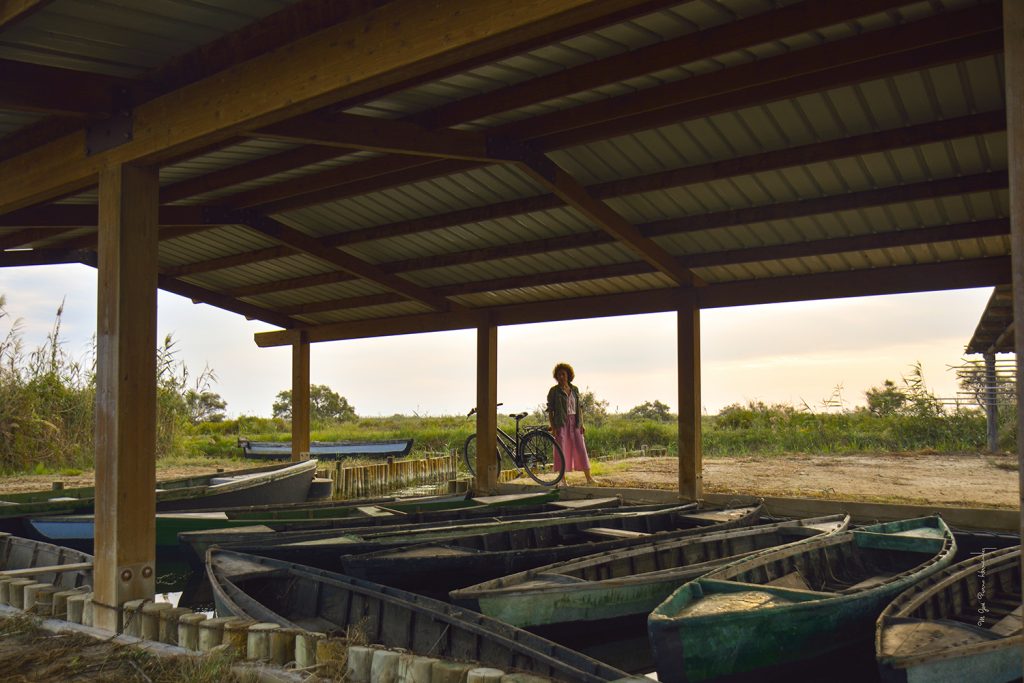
(324,549)
(798,602)
(629,582)
(406,515)
(301,597)
(287,483)
(958,625)
(442,565)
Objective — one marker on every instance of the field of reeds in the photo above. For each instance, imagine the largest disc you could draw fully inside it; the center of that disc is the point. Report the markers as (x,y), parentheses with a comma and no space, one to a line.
(47,397)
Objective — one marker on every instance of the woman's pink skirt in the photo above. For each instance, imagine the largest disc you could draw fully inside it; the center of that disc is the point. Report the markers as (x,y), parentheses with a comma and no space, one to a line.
(570,438)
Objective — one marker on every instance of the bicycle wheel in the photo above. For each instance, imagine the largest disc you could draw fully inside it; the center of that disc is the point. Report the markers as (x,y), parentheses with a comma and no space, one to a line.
(542,458)
(469,454)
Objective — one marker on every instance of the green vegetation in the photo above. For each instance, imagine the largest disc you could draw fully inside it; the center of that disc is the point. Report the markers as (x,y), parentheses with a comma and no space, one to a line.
(47,397)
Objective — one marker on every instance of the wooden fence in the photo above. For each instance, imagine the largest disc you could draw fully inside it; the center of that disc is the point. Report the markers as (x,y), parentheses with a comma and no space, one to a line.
(378,479)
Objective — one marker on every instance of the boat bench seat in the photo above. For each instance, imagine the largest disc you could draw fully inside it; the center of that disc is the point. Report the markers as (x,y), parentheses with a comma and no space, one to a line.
(869,582)
(602,533)
(1009,624)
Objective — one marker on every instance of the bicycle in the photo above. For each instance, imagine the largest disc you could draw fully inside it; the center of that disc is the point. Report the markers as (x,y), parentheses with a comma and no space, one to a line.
(533,450)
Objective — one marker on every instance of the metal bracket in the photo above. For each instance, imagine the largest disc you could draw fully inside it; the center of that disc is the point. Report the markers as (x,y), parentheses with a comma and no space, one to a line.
(113,131)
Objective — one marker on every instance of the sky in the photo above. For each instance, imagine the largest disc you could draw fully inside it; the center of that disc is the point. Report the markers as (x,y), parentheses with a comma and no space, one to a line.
(797,353)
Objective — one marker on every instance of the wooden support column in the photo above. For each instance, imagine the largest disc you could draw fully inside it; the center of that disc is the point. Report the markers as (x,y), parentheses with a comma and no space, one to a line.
(991,403)
(125,550)
(300,396)
(487,408)
(1013,37)
(691,459)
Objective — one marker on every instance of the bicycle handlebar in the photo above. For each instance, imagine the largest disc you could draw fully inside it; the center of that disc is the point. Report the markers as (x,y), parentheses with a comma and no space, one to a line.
(470,413)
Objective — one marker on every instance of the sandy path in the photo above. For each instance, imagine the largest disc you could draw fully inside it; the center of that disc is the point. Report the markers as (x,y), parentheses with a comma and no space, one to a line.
(961,480)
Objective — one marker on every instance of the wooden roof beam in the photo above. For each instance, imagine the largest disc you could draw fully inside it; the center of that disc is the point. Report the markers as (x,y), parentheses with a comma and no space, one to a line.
(339,63)
(755,30)
(721,219)
(309,245)
(62,216)
(762,28)
(937,131)
(40,257)
(943,39)
(565,187)
(13,11)
(64,92)
(894,280)
(347,131)
(839,245)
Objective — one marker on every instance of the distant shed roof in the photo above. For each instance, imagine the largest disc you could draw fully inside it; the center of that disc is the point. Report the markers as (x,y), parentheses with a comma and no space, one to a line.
(994,333)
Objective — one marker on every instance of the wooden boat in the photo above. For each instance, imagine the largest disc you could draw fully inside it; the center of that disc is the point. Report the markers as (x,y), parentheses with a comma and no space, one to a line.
(960,624)
(272,484)
(444,565)
(389,507)
(384,517)
(323,549)
(302,597)
(327,450)
(782,606)
(629,582)
(47,563)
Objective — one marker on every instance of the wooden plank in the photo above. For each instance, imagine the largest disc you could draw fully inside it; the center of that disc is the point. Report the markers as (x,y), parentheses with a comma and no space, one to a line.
(942,39)
(309,245)
(552,176)
(67,92)
(691,466)
(761,28)
(125,555)
(336,64)
(348,131)
(899,279)
(300,396)
(49,569)
(1013,30)
(833,149)
(487,407)
(13,11)
(41,257)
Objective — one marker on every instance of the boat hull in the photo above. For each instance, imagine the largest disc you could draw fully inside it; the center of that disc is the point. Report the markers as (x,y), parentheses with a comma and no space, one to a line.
(763,612)
(303,597)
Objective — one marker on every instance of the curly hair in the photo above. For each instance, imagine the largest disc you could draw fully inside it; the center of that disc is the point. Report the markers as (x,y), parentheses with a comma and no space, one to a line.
(568,371)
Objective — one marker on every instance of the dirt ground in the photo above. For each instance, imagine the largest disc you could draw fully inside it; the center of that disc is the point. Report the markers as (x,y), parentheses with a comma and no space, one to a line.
(968,480)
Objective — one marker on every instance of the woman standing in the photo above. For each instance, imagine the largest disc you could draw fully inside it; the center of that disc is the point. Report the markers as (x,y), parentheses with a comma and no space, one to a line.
(567,423)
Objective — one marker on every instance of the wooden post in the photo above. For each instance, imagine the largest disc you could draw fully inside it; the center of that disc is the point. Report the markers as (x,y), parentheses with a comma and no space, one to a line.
(691,478)
(125,550)
(300,396)
(991,403)
(1013,42)
(486,408)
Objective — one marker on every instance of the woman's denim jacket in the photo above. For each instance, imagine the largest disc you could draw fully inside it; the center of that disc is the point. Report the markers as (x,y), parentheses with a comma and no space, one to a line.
(558,405)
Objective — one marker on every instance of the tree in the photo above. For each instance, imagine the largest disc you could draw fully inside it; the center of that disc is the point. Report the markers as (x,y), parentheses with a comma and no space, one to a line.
(204,406)
(324,405)
(914,399)
(594,410)
(651,410)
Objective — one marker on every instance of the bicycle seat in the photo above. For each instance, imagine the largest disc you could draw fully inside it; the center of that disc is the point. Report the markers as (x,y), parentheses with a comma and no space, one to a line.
(518,416)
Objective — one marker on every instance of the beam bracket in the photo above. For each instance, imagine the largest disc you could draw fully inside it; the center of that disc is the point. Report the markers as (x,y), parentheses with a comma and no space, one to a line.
(115,130)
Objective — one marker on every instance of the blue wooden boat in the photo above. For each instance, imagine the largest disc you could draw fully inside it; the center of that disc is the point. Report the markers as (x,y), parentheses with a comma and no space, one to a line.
(327,450)
(802,601)
(958,625)
(296,596)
